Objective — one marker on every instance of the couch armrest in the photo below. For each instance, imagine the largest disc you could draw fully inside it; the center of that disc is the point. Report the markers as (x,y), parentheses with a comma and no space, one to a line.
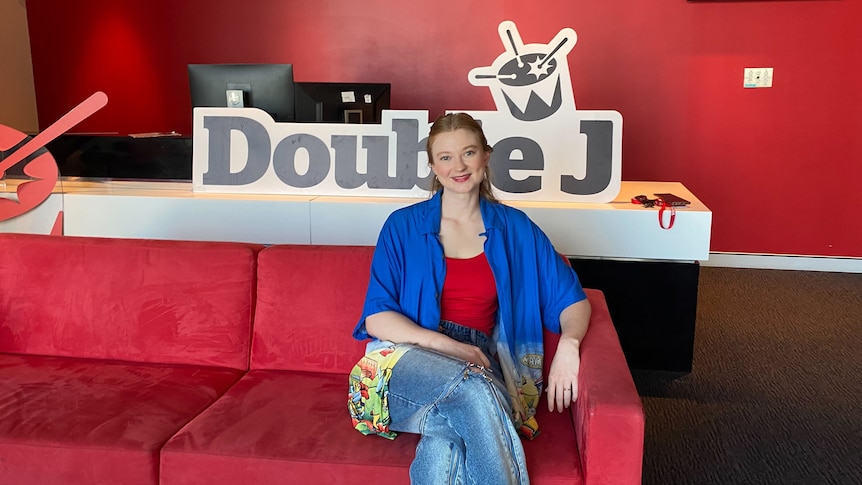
(608,415)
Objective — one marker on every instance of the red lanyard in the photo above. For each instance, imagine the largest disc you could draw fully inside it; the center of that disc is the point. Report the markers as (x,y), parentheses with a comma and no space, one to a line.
(662,206)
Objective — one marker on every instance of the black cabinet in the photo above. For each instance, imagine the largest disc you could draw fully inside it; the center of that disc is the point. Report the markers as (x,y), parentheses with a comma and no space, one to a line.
(653,305)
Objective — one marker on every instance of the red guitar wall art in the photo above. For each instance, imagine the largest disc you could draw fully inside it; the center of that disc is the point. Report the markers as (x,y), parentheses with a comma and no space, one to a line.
(42,168)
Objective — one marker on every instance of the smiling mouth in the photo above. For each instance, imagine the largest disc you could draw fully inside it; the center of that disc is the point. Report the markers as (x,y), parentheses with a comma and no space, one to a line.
(461,178)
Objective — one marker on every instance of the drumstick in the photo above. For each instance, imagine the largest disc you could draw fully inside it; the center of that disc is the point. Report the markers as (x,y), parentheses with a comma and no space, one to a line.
(496,76)
(549,56)
(515,48)
(79,113)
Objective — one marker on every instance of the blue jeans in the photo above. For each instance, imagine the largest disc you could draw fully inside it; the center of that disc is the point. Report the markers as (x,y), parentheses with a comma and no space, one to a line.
(462,412)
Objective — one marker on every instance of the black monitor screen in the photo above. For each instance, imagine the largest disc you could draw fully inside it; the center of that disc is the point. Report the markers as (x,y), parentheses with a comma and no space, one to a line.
(268,87)
(341,102)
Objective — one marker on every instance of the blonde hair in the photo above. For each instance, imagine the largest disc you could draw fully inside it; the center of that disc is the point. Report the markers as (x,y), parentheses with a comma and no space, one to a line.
(461,121)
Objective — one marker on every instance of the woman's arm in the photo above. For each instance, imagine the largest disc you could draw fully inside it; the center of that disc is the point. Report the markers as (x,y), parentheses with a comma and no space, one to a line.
(396,328)
(562,384)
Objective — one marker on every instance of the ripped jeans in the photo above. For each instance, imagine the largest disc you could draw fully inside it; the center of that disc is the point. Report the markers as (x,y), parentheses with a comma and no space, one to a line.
(462,412)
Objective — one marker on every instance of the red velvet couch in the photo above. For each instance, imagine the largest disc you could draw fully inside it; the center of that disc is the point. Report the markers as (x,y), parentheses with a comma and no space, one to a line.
(109,346)
(127,361)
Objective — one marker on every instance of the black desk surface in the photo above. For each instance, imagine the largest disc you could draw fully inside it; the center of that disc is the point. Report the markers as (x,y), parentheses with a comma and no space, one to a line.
(120,157)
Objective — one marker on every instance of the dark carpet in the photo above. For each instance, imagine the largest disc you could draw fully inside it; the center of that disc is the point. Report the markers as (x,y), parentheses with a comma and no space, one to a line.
(775,395)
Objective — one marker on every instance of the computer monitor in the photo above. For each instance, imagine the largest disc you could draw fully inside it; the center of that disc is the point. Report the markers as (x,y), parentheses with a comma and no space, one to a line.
(268,87)
(341,102)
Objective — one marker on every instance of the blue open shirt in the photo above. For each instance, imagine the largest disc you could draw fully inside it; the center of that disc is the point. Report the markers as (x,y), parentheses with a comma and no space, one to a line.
(534,284)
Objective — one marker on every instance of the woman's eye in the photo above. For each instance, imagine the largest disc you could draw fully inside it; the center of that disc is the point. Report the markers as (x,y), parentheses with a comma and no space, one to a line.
(444,158)
(470,153)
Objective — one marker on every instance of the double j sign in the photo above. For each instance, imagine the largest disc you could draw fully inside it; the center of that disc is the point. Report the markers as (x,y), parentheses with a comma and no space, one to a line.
(544,149)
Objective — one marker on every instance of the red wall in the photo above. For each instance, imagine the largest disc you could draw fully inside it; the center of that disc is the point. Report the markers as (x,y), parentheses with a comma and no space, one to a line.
(780,168)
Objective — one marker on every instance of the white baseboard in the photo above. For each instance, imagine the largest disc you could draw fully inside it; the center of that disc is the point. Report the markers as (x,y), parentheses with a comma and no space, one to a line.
(789,262)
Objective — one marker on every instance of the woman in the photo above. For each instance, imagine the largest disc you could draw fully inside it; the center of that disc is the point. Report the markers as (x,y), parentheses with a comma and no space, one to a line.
(460,289)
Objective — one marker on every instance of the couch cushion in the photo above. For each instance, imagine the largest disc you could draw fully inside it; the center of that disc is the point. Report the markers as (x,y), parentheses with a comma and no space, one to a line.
(277,427)
(80,421)
(309,300)
(124,299)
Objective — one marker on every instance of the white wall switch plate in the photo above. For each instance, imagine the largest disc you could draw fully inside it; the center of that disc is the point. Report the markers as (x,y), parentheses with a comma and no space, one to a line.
(757,77)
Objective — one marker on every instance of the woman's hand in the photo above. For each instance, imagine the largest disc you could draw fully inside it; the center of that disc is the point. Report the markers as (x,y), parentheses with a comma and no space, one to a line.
(459,350)
(563,377)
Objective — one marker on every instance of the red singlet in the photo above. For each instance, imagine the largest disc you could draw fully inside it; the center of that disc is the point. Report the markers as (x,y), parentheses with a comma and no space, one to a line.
(469,293)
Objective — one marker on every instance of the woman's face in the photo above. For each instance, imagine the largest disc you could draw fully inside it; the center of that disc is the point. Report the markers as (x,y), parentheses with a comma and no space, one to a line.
(459,161)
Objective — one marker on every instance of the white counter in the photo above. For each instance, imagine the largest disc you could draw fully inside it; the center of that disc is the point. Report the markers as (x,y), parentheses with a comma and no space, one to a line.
(171,210)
